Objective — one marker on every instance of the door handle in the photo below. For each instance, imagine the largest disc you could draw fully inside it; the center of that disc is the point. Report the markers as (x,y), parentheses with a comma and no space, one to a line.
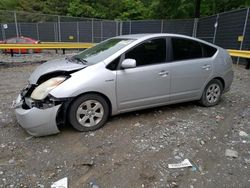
(163,73)
(206,67)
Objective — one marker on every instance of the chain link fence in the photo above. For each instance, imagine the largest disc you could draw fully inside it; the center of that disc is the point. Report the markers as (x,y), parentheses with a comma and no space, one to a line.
(53,28)
(230,30)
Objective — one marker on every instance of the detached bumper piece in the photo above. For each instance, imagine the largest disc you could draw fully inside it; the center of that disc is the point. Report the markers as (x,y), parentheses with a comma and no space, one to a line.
(38,118)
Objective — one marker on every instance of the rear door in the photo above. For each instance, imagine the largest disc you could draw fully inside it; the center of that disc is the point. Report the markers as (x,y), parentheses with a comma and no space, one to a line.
(190,68)
(148,84)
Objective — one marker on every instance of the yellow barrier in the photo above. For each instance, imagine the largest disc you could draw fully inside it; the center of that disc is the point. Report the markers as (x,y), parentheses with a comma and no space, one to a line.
(242,54)
(54,45)
(239,53)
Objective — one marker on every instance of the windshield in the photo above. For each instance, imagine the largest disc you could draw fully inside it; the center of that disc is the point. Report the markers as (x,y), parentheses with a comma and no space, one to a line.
(102,51)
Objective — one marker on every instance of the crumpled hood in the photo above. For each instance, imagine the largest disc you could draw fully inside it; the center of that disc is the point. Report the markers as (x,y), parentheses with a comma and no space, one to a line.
(53,66)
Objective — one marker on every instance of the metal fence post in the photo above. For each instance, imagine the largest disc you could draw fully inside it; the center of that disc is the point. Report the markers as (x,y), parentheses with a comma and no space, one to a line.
(3,32)
(37,32)
(162,26)
(59,29)
(55,32)
(121,27)
(92,30)
(244,29)
(17,33)
(19,29)
(130,23)
(195,27)
(116,28)
(243,33)
(101,30)
(215,27)
(77,31)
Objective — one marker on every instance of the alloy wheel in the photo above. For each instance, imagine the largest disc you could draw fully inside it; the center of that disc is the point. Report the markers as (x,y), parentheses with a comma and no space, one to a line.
(213,93)
(89,113)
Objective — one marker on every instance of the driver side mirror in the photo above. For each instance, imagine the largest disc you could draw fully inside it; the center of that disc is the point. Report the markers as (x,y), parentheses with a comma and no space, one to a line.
(128,63)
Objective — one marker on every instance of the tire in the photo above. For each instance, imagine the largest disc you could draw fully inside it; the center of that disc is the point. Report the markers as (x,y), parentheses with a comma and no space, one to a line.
(88,112)
(212,93)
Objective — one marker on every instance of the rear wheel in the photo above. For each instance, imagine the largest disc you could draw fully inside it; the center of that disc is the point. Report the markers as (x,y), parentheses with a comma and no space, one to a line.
(212,93)
(88,112)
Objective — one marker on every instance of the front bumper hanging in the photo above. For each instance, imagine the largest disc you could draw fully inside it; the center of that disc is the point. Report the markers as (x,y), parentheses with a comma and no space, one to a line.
(36,120)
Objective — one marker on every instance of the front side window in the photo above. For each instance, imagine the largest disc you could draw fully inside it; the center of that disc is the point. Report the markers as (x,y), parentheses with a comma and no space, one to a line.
(185,49)
(149,52)
(102,51)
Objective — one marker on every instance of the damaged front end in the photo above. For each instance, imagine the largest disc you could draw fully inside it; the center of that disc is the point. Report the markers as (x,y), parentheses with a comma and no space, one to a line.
(37,111)
(37,121)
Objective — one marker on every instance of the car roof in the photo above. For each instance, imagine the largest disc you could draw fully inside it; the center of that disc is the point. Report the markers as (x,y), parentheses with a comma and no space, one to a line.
(149,35)
(146,36)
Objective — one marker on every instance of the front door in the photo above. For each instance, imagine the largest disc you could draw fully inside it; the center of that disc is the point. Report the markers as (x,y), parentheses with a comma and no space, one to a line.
(148,84)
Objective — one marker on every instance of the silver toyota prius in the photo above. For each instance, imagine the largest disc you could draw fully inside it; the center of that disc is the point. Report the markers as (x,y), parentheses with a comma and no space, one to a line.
(122,74)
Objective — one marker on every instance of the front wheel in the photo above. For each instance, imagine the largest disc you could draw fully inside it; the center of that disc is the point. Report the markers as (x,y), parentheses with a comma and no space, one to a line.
(88,112)
(212,93)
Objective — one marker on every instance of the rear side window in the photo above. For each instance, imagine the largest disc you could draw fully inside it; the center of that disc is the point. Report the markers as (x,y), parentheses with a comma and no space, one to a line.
(208,51)
(184,49)
(149,52)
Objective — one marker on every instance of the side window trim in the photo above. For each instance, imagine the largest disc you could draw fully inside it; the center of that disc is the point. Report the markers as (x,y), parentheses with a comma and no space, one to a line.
(169,50)
(119,67)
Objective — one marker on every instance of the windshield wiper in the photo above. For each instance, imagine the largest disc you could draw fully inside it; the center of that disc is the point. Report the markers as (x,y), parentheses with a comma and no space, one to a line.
(83,61)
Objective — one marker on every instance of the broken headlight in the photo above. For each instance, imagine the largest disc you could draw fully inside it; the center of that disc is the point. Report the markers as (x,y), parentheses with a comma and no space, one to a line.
(43,89)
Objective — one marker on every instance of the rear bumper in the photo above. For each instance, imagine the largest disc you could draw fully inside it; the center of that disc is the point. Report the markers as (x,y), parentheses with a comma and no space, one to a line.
(37,122)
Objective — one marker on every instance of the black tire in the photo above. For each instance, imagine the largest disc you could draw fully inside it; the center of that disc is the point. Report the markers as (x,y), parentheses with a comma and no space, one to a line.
(80,106)
(213,99)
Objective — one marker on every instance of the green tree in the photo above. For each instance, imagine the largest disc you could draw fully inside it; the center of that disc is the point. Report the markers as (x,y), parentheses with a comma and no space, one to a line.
(210,7)
(125,9)
(9,4)
(132,9)
(80,8)
(59,7)
(6,16)
(169,9)
(31,6)
(109,9)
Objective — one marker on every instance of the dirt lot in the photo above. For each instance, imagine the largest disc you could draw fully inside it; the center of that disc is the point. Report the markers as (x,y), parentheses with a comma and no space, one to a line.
(133,149)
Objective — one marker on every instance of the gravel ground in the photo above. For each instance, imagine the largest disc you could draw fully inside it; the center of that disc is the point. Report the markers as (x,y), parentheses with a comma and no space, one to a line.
(133,149)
